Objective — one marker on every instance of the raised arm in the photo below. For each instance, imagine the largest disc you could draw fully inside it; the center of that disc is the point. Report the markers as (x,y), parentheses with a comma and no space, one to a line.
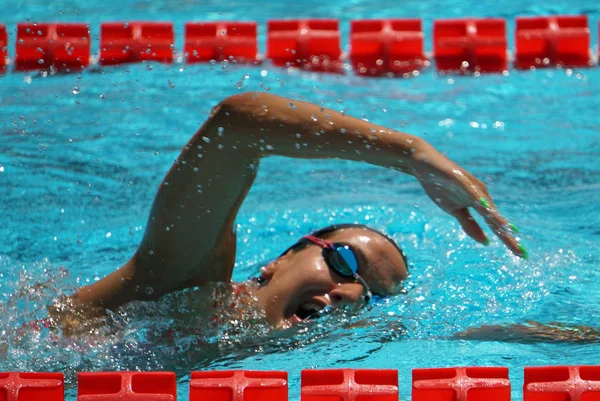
(189,238)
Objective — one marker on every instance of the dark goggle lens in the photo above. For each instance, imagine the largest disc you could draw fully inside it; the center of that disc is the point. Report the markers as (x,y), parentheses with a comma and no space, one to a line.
(342,259)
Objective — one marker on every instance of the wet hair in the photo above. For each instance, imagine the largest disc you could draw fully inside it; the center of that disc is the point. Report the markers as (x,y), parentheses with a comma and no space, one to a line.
(335,227)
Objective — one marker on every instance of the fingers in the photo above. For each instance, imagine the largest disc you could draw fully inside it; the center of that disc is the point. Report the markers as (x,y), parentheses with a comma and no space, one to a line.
(499,225)
(470,226)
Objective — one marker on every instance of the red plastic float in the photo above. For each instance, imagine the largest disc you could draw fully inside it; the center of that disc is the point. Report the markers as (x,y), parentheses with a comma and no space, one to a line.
(60,46)
(461,384)
(564,383)
(130,42)
(239,385)
(349,385)
(386,47)
(233,41)
(476,45)
(127,386)
(552,41)
(16,386)
(310,44)
(3,48)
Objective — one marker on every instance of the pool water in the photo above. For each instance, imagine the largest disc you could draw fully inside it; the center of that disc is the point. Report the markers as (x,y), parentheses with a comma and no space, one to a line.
(81,156)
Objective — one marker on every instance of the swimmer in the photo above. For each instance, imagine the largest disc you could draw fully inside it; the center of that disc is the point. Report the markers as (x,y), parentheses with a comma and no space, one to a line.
(190,238)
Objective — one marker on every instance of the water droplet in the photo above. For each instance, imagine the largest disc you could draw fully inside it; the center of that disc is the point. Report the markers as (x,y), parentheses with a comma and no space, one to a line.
(151,252)
(313,117)
(108,235)
(292,105)
(76,90)
(264,73)
(221,131)
(1,169)
(149,290)
(171,84)
(220,146)
(206,139)
(41,61)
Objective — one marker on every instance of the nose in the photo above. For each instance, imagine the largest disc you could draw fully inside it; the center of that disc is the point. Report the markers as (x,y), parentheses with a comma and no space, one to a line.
(346,294)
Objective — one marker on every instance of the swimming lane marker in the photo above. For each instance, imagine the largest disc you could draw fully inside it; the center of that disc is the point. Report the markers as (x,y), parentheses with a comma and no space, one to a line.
(570,383)
(62,47)
(126,386)
(461,384)
(131,42)
(220,41)
(552,41)
(3,49)
(312,44)
(239,385)
(349,384)
(470,45)
(15,386)
(387,47)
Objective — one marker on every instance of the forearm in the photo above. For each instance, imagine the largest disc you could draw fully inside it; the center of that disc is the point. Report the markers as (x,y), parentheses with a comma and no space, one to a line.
(268,124)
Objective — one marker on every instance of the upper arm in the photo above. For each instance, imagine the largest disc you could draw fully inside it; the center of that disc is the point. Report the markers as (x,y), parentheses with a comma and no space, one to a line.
(189,236)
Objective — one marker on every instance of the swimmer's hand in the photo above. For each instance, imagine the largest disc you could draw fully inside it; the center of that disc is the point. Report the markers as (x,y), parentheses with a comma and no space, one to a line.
(75,319)
(455,190)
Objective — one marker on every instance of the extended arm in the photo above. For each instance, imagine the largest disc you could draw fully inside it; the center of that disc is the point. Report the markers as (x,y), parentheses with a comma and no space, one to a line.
(189,238)
(532,332)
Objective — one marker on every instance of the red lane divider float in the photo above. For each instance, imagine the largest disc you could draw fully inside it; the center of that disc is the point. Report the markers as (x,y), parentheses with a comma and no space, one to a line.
(130,42)
(349,385)
(3,48)
(65,47)
(552,41)
(386,47)
(309,44)
(239,385)
(564,383)
(127,386)
(16,386)
(382,47)
(475,45)
(233,41)
(461,384)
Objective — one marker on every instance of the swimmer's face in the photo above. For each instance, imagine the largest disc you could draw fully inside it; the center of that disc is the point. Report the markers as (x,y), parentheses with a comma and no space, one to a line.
(300,283)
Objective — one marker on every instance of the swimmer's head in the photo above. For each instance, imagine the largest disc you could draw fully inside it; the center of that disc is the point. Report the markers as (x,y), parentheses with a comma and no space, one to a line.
(300,282)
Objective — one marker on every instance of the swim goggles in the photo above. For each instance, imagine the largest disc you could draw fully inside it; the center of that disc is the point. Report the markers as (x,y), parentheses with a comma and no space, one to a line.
(341,259)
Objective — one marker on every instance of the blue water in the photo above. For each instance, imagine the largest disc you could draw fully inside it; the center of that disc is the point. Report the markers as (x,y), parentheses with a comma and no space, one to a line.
(81,157)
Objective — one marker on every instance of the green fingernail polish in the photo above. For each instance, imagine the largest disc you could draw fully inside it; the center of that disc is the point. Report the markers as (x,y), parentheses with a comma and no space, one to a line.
(524,252)
(486,242)
(513,227)
(484,202)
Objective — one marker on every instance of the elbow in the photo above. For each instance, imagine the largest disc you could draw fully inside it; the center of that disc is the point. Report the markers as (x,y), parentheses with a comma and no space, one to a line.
(238,102)
(243,110)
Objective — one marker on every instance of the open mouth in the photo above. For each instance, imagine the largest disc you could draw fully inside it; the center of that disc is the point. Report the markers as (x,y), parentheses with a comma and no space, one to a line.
(310,309)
